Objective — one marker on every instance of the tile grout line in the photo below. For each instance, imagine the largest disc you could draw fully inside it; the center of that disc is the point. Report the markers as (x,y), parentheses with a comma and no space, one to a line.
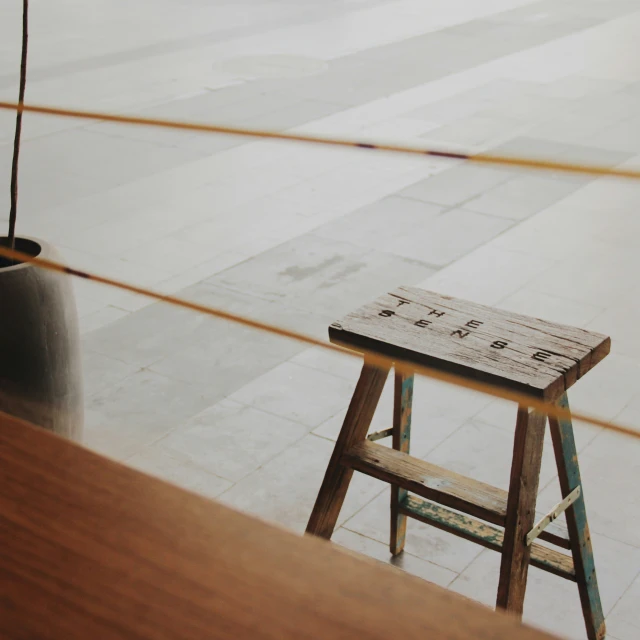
(413,555)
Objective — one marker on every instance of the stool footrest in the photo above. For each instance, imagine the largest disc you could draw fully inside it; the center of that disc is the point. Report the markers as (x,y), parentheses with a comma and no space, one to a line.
(438,484)
(483,534)
(429,481)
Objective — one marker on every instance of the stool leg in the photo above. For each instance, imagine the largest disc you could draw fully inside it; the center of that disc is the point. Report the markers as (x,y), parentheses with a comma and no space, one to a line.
(402,400)
(569,474)
(354,429)
(521,506)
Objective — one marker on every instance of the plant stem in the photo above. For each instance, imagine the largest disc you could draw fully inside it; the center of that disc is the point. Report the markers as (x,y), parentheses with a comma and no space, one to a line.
(16,141)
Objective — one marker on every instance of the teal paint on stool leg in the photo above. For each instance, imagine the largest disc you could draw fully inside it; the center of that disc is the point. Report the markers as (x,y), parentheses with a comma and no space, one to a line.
(402,407)
(569,474)
(481,533)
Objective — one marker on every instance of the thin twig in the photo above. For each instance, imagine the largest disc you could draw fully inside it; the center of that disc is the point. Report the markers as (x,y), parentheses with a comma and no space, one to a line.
(16,141)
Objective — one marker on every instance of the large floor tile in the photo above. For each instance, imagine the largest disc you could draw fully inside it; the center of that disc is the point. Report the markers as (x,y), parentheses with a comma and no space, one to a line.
(457,185)
(284,490)
(405,561)
(475,130)
(229,440)
(622,136)
(624,621)
(377,225)
(423,541)
(297,393)
(552,603)
(161,329)
(620,322)
(139,410)
(490,273)
(521,197)
(594,278)
(101,372)
(569,128)
(108,159)
(225,356)
(630,415)
(608,388)
(42,190)
(322,276)
(343,365)
(552,308)
(98,317)
(449,236)
(161,464)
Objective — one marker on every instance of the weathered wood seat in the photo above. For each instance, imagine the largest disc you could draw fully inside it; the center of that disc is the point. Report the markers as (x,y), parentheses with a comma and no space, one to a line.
(517,352)
(539,358)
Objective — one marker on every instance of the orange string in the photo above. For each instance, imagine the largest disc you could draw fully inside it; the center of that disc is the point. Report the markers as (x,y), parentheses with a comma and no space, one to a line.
(482,158)
(370,356)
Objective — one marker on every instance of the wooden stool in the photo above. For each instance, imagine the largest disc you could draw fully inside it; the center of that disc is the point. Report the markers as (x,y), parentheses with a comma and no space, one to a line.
(539,358)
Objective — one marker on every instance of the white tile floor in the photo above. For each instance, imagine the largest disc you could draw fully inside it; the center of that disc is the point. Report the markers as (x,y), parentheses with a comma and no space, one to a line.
(299,235)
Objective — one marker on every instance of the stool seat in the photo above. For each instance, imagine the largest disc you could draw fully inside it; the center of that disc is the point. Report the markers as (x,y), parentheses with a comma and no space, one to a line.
(540,358)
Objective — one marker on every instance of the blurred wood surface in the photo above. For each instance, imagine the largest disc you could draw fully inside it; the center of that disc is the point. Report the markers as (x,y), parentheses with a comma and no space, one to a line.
(92,549)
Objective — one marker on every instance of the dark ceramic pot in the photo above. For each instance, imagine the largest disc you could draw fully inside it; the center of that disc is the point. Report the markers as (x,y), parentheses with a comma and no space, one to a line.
(40,366)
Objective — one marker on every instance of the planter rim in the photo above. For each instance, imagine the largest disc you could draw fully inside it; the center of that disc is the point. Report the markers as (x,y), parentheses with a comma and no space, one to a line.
(46,251)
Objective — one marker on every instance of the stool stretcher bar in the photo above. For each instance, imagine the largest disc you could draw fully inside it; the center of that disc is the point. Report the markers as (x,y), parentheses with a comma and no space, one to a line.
(556,512)
(380,435)
(484,534)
